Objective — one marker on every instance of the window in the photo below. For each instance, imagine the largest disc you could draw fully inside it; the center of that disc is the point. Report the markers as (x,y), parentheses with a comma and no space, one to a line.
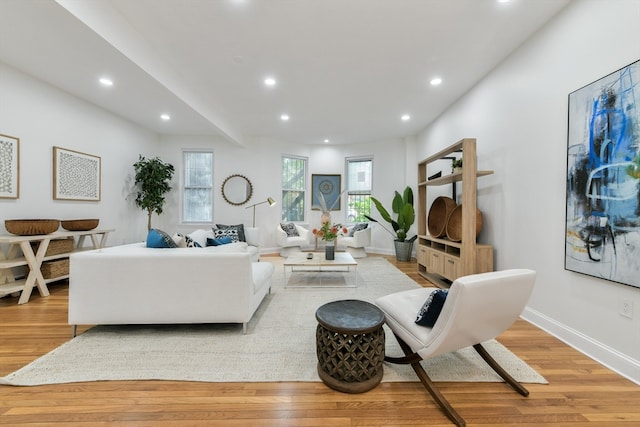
(197,195)
(294,172)
(359,186)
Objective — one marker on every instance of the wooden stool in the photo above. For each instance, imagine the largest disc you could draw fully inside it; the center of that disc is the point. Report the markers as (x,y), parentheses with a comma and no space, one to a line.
(350,345)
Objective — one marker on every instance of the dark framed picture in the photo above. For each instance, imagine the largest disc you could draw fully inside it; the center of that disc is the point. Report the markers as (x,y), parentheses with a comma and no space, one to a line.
(9,167)
(329,187)
(76,175)
(602,234)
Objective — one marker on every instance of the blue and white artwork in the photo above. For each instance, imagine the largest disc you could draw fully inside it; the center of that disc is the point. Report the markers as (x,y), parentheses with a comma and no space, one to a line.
(603,178)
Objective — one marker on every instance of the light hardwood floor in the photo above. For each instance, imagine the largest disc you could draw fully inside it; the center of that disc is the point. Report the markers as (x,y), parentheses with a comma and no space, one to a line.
(580,391)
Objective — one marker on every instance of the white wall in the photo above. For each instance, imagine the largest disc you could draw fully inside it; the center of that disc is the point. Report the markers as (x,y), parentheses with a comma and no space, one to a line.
(44,117)
(260,162)
(518,114)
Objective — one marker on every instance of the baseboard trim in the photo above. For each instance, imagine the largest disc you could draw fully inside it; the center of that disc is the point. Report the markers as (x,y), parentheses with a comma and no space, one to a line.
(601,353)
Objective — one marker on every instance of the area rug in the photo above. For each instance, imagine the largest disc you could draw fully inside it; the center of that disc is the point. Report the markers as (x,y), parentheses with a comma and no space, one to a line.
(279,345)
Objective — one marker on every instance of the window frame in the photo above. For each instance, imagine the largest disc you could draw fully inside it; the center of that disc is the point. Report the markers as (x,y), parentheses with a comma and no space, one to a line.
(347,193)
(183,185)
(304,190)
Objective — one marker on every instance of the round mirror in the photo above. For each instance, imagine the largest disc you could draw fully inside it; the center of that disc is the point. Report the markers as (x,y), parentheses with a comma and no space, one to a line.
(237,189)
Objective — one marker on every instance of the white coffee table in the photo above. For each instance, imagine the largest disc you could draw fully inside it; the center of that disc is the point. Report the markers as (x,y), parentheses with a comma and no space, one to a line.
(319,264)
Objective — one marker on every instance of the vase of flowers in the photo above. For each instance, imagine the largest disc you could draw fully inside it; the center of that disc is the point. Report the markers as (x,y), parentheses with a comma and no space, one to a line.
(329,233)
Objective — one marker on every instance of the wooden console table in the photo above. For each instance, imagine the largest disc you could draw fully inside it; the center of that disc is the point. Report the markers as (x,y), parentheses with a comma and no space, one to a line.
(10,259)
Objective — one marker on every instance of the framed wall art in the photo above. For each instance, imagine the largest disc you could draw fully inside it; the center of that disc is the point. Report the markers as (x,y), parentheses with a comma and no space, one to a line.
(9,167)
(602,234)
(76,176)
(329,186)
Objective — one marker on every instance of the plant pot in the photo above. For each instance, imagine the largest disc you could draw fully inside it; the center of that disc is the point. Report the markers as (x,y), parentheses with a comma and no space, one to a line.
(330,250)
(403,250)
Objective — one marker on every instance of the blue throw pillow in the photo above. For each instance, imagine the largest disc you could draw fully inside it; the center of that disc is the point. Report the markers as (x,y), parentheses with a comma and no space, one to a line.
(431,309)
(217,242)
(160,239)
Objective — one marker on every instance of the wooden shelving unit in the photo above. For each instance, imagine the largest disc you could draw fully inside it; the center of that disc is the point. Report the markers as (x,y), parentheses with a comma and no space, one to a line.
(33,260)
(439,259)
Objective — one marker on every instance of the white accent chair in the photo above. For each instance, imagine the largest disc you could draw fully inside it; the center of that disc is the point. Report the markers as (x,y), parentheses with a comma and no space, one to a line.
(355,244)
(293,244)
(478,308)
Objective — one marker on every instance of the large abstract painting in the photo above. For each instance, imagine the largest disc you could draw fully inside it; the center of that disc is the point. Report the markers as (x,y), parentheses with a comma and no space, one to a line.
(76,176)
(603,178)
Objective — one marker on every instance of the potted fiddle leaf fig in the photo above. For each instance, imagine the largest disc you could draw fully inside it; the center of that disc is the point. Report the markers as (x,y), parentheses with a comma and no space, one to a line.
(402,207)
(152,183)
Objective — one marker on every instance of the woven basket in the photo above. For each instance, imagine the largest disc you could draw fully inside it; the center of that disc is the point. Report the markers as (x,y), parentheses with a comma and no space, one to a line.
(440,210)
(56,246)
(31,227)
(79,224)
(53,269)
(454,224)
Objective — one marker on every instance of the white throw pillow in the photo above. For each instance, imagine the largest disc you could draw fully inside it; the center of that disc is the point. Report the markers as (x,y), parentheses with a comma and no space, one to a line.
(200,236)
(181,242)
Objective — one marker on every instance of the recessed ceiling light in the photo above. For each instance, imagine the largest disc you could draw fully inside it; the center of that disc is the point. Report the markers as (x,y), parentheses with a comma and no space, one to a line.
(270,81)
(165,117)
(326,141)
(106,82)
(405,117)
(284,117)
(435,81)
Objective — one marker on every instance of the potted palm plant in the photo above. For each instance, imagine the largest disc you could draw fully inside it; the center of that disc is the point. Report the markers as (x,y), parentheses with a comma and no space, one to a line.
(152,183)
(402,206)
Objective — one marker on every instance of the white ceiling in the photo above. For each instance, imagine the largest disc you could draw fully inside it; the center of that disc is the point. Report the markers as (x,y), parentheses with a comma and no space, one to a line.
(346,70)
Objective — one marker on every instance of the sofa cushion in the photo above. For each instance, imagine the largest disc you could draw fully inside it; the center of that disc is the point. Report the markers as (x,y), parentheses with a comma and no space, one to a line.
(159,239)
(290,229)
(252,235)
(261,272)
(239,227)
(230,247)
(226,232)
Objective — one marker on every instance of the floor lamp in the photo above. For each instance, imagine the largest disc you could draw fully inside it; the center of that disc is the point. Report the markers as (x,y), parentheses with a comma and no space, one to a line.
(269,200)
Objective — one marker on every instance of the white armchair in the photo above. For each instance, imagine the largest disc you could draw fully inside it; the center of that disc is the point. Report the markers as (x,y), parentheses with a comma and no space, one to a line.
(477,308)
(291,244)
(355,244)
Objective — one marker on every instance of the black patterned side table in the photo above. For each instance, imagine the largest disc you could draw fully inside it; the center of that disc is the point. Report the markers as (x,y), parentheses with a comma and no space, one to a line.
(350,345)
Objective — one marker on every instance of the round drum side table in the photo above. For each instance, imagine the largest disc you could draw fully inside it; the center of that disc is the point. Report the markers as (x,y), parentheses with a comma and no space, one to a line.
(350,345)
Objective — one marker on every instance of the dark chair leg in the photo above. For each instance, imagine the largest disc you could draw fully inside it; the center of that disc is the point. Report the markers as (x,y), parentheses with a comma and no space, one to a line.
(414,360)
(500,370)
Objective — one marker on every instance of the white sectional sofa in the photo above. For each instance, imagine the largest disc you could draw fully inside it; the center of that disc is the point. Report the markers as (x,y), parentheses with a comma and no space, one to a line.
(133,284)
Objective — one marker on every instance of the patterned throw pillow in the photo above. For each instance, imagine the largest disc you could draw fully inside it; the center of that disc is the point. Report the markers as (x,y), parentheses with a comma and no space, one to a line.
(290,229)
(160,239)
(191,243)
(431,309)
(239,227)
(231,232)
(358,227)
